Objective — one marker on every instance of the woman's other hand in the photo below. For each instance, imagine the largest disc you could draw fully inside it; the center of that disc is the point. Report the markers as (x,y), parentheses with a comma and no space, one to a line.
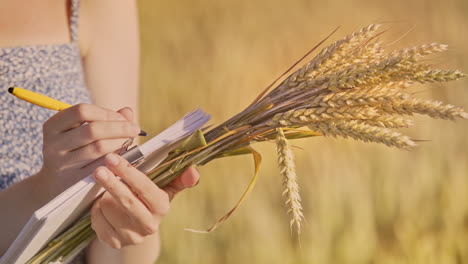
(133,208)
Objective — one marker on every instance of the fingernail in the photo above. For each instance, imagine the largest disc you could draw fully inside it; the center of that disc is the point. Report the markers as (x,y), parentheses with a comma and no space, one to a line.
(112,159)
(121,117)
(101,174)
(197,182)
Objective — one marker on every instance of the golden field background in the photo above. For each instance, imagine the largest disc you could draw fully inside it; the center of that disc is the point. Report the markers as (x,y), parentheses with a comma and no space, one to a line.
(364,203)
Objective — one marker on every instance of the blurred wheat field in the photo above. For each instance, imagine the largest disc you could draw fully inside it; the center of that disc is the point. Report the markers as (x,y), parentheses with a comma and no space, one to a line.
(364,203)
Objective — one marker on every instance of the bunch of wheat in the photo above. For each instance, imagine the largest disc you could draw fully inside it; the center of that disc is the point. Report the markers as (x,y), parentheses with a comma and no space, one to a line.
(351,89)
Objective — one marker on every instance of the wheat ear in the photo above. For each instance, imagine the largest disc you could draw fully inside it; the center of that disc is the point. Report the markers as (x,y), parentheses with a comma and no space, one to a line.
(434,109)
(291,188)
(359,131)
(329,56)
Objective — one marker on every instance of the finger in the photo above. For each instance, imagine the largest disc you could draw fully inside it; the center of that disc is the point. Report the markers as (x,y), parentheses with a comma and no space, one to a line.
(155,199)
(104,230)
(88,168)
(77,115)
(92,166)
(187,179)
(132,206)
(92,132)
(127,112)
(122,223)
(89,153)
(190,177)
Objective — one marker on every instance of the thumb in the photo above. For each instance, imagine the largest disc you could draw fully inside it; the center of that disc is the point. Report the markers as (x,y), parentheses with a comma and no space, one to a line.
(187,179)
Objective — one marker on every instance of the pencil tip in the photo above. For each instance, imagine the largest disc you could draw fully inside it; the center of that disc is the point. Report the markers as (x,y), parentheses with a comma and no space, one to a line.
(143,133)
(10,90)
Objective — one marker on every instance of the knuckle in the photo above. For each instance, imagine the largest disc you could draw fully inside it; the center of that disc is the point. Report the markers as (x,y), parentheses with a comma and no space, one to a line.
(90,131)
(132,238)
(49,150)
(127,202)
(110,186)
(151,227)
(81,111)
(115,244)
(109,240)
(45,127)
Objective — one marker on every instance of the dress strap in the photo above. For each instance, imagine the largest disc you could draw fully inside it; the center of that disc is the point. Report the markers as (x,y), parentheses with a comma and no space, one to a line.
(75,8)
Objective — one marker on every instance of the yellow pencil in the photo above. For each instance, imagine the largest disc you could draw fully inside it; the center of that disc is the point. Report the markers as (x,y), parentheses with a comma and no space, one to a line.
(38,99)
(43,101)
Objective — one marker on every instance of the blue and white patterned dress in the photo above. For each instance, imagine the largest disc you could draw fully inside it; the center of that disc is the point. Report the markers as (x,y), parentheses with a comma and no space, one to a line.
(54,70)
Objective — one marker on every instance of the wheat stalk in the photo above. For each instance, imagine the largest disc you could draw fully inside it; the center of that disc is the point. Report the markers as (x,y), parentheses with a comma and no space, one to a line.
(350,89)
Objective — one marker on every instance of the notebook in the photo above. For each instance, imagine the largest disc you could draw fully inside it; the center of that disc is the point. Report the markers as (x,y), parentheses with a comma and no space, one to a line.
(54,217)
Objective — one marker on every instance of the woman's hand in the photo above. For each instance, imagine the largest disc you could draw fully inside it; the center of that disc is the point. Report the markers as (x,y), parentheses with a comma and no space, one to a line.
(75,137)
(133,208)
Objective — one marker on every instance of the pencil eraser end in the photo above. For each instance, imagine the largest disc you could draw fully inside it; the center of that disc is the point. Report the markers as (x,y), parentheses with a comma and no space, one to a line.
(10,90)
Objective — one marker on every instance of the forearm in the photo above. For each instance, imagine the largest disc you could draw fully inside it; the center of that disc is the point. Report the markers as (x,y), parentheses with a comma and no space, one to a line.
(110,47)
(146,252)
(17,204)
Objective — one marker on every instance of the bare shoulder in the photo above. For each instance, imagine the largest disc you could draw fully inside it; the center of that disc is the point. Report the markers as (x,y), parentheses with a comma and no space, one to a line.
(100,20)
